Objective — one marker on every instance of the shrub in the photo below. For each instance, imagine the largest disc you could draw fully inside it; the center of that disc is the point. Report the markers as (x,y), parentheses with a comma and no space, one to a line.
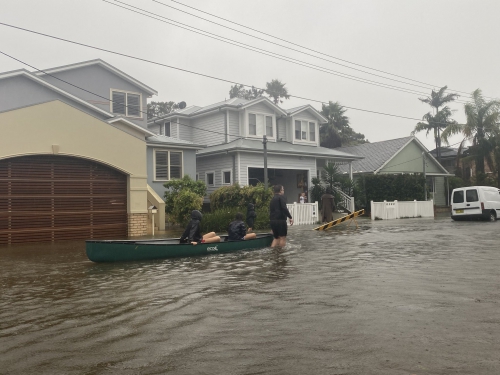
(235,196)
(182,197)
(183,203)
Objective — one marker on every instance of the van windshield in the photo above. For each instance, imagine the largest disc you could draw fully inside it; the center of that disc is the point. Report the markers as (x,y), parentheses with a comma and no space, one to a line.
(471,195)
(458,196)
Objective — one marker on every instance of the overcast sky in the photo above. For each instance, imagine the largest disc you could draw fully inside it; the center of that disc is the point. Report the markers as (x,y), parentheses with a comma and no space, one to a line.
(452,43)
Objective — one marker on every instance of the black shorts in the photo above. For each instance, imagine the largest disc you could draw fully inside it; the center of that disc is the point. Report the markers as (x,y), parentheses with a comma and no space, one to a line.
(279,228)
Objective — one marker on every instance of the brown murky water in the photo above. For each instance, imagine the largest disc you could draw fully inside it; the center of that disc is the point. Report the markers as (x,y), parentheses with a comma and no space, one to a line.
(411,296)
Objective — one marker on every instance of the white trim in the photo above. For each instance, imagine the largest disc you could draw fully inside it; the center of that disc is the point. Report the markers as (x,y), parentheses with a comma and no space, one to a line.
(206,178)
(105,65)
(111,90)
(263,99)
(306,141)
(168,164)
(273,119)
(130,123)
(27,74)
(227,126)
(230,177)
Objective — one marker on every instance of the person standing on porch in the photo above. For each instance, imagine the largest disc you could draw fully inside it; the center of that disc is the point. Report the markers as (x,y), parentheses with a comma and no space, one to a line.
(278,215)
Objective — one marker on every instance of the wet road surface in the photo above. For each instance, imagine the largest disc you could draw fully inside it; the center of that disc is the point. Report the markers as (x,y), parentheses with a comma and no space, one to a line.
(414,296)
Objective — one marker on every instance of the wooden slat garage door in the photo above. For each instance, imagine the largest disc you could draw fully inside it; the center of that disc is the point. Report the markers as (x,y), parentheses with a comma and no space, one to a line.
(53,198)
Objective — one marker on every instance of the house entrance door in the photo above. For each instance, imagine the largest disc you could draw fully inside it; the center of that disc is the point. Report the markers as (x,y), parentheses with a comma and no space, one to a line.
(53,198)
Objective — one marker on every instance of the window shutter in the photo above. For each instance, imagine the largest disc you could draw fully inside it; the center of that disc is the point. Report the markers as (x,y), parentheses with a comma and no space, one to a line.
(118,102)
(175,165)
(252,124)
(134,105)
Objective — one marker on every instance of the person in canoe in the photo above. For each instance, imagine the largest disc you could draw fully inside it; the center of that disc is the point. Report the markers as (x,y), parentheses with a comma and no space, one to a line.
(192,232)
(251,216)
(237,230)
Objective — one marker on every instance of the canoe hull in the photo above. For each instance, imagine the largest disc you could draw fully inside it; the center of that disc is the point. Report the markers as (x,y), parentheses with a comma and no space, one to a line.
(122,251)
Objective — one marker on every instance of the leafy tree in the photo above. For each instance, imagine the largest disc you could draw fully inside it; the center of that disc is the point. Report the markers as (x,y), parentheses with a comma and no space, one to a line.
(337,132)
(239,91)
(331,175)
(438,120)
(174,200)
(481,126)
(277,91)
(157,109)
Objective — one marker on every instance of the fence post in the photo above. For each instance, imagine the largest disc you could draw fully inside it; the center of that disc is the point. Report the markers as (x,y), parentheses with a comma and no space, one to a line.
(416,208)
(396,209)
(384,216)
(295,213)
(372,211)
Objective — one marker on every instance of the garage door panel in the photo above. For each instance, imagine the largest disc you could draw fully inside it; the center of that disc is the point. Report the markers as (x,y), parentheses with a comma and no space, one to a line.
(51,198)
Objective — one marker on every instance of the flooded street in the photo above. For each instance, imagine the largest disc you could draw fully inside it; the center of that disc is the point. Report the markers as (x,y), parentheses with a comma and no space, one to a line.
(414,296)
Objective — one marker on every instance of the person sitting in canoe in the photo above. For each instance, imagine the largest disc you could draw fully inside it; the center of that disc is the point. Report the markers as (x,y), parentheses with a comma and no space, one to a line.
(192,232)
(237,230)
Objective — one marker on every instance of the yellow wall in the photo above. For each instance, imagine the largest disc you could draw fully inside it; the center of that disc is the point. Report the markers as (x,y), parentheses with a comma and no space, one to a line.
(35,129)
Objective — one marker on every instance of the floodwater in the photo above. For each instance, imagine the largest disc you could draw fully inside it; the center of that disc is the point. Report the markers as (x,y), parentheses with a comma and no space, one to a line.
(414,296)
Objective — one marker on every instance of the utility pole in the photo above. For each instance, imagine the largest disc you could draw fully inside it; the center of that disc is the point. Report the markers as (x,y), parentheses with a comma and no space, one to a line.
(264,142)
(425,178)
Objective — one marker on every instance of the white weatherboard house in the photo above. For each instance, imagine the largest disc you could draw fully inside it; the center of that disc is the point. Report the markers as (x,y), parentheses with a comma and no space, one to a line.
(401,155)
(76,157)
(233,131)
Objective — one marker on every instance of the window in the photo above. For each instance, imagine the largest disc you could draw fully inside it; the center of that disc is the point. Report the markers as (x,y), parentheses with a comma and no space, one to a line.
(126,103)
(168,165)
(165,129)
(259,125)
(197,176)
(305,131)
(471,195)
(210,179)
(226,177)
(458,196)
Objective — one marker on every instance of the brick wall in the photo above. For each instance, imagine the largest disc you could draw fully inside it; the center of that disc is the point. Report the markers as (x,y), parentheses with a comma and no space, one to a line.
(137,224)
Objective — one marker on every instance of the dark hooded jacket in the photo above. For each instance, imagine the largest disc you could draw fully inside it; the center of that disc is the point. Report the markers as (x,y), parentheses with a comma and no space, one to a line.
(192,231)
(236,230)
(251,215)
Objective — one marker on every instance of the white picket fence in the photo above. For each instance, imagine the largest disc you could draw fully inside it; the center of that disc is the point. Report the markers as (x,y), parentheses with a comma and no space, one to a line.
(404,209)
(303,213)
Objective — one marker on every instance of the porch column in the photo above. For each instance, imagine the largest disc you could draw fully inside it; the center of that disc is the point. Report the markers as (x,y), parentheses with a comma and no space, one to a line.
(350,170)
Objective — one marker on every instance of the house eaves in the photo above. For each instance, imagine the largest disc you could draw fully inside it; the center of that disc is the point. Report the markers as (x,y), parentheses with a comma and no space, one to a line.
(163,141)
(103,64)
(131,124)
(25,73)
(307,107)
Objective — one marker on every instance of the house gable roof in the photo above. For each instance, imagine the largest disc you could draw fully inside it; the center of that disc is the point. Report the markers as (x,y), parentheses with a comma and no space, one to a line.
(296,110)
(379,154)
(26,74)
(103,64)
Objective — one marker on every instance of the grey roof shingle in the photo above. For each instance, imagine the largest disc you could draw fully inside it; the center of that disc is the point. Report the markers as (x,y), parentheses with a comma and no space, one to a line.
(375,154)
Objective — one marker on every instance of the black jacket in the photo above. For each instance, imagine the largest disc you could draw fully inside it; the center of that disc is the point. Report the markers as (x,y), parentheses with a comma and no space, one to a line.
(192,231)
(277,208)
(236,230)
(251,215)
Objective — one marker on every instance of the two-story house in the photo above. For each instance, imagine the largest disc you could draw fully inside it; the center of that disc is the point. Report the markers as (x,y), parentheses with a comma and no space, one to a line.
(233,131)
(74,152)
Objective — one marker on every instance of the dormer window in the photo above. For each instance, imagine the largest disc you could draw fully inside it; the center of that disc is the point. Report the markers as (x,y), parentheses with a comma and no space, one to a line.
(305,131)
(126,103)
(260,124)
(165,129)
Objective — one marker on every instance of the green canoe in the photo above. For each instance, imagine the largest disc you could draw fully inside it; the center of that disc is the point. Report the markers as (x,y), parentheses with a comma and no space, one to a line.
(126,250)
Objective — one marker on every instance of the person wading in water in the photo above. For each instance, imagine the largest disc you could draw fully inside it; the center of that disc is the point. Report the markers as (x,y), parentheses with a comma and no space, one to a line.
(278,215)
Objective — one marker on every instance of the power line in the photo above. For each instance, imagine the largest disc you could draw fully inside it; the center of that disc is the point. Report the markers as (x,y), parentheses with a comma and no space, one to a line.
(259,50)
(306,48)
(202,74)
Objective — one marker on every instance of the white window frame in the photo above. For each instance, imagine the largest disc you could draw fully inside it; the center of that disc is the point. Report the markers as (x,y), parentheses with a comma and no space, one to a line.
(126,102)
(168,165)
(247,122)
(230,177)
(206,177)
(307,121)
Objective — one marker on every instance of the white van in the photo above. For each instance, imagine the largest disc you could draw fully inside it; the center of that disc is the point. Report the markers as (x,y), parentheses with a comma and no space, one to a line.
(475,202)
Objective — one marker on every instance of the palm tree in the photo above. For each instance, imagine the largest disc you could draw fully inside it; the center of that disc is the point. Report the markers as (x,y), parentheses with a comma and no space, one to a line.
(437,121)
(276,91)
(481,126)
(337,132)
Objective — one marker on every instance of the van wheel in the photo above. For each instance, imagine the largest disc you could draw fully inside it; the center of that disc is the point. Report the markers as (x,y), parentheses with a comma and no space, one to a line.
(493,216)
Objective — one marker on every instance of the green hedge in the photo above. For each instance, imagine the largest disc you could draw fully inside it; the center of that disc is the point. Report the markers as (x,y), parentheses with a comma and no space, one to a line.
(218,220)
(389,187)
(239,197)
